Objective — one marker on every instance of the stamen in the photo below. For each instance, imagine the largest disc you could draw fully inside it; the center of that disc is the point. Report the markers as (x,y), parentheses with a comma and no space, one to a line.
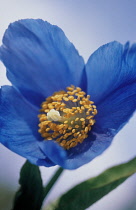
(67,117)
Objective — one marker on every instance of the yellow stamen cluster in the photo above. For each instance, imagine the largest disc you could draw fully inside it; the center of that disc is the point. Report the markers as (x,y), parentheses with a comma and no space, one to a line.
(67,117)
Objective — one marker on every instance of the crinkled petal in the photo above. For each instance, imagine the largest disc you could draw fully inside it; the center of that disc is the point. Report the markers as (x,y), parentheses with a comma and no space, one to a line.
(18,123)
(115,111)
(54,152)
(109,68)
(111,72)
(92,147)
(45,162)
(40,59)
(83,153)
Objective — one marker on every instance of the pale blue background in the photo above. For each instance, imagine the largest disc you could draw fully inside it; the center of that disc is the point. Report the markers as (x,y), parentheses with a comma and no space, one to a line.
(88,24)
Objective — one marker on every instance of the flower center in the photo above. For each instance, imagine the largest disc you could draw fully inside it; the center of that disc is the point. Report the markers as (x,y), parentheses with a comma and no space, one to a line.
(67,117)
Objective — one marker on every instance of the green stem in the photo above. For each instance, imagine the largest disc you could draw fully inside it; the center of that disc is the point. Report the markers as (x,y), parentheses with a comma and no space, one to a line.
(52,181)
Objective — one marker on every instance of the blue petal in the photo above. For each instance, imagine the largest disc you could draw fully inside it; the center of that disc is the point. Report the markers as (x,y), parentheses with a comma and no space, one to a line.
(58,155)
(45,162)
(109,68)
(84,153)
(18,123)
(54,152)
(93,146)
(111,72)
(115,111)
(40,59)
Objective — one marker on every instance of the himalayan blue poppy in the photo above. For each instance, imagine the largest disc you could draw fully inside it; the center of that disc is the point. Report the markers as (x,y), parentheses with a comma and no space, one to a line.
(59,110)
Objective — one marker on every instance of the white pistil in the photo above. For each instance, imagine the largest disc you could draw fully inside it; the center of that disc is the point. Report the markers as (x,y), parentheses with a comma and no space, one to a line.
(53,115)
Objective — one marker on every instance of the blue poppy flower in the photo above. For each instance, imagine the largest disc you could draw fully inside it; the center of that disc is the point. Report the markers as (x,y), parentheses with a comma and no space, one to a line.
(40,61)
